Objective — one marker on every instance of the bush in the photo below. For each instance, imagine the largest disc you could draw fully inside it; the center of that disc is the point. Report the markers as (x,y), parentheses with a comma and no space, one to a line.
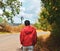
(49,44)
(41,45)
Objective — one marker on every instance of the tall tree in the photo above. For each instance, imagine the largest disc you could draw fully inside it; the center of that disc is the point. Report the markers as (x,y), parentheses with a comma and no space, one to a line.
(22,19)
(10,8)
(53,8)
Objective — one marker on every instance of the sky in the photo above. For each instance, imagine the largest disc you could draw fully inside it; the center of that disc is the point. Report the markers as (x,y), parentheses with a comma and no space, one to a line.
(29,10)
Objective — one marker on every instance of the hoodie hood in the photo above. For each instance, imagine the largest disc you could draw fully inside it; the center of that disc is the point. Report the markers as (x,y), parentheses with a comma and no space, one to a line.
(28,29)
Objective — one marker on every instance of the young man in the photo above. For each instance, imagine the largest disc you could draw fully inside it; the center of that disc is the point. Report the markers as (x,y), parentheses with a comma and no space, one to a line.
(28,36)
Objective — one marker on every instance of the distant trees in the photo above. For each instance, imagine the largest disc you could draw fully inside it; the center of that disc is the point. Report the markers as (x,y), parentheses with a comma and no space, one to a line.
(21,19)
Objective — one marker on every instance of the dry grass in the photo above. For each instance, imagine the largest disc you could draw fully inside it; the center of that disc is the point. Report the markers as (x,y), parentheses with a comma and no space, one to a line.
(12,29)
(46,42)
(41,42)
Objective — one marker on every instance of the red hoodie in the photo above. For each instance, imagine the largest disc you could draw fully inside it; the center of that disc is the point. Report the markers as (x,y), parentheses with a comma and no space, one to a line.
(28,36)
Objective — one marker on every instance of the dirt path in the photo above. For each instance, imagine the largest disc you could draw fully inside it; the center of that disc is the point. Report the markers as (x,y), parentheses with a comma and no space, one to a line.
(9,42)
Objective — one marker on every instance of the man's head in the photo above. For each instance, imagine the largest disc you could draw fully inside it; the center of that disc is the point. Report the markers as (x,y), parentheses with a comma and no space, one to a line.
(27,22)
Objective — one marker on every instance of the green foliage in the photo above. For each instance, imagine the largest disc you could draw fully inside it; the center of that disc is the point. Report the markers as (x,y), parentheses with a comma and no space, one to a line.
(1,19)
(37,25)
(12,5)
(43,20)
(53,8)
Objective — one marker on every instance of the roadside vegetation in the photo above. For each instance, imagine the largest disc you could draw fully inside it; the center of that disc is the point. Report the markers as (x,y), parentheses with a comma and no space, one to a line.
(11,29)
(49,19)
